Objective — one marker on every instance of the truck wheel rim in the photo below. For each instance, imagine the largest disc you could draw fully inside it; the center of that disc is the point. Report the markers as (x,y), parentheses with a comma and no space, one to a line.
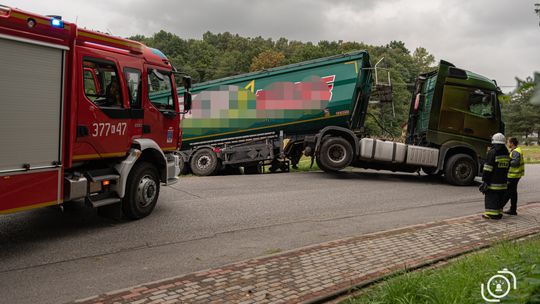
(463,171)
(146,191)
(204,162)
(336,153)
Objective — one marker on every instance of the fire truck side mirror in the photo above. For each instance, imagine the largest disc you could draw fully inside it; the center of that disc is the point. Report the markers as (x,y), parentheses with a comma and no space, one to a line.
(186,82)
(187,101)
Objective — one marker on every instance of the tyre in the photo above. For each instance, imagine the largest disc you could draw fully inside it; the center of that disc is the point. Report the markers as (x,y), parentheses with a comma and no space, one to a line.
(204,162)
(335,154)
(460,170)
(142,191)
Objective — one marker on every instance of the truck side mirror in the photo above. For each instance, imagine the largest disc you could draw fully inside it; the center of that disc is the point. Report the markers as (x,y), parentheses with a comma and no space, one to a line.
(186,82)
(187,101)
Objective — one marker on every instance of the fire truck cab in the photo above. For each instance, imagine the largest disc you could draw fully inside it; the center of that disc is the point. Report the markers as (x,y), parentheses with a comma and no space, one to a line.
(85,116)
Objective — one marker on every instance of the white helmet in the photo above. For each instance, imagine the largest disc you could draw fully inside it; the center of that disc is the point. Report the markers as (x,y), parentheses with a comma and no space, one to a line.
(498,138)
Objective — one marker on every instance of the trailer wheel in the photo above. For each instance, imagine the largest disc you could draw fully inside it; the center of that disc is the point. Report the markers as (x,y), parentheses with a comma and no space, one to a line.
(336,153)
(460,170)
(142,191)
(204,162)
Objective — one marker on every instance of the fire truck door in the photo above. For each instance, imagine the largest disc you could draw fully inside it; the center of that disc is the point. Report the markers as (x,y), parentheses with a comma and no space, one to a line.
(107,118)
(161,121)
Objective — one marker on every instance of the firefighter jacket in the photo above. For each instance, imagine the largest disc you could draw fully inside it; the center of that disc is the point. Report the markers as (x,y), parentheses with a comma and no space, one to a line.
(517,164)
(496,168)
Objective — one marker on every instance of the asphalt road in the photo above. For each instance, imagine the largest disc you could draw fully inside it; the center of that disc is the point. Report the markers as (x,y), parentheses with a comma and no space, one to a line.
(47,256)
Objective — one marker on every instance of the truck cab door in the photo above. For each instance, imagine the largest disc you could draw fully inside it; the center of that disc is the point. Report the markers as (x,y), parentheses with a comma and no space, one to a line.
(481,121)
(106,123)
(161,120)
(469,112)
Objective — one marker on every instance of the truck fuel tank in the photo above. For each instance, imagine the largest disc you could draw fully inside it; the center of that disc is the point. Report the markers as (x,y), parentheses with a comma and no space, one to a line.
(422,156)
(380,150)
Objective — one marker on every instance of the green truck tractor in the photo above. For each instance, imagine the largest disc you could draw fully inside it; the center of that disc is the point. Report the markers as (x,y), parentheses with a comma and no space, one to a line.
(319,108)
(456,112)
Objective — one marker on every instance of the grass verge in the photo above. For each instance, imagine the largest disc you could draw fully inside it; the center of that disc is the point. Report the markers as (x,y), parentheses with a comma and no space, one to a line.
(532,154)
(459,281)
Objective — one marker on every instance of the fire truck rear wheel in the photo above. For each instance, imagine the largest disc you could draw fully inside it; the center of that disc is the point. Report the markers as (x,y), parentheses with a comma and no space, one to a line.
(142,191)
(204,162)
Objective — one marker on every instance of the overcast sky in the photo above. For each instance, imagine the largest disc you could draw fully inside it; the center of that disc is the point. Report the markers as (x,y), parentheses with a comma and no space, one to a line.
(496,38)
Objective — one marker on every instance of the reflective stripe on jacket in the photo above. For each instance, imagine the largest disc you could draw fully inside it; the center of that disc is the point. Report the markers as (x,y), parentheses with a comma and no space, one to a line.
(497,186)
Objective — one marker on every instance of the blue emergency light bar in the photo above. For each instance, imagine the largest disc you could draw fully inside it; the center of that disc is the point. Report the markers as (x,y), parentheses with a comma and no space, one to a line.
(57,23)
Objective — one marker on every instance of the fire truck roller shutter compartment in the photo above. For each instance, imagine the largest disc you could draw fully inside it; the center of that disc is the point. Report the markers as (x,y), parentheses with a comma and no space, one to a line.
(31,99)
(31,84)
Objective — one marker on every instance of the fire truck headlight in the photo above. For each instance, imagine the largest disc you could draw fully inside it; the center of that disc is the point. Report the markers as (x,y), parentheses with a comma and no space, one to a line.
(57,23)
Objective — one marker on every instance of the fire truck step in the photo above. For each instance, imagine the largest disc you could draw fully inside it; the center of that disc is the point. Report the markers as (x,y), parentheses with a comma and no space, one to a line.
(104,202)
(102,174)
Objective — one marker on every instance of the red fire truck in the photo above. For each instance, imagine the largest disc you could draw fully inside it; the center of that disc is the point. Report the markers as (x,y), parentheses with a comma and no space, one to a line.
(84,116)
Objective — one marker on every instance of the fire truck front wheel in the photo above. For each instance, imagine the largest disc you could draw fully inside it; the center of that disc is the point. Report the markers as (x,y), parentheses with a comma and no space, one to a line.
(142,191)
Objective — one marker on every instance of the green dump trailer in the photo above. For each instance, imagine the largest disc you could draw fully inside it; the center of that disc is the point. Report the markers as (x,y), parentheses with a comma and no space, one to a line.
(242,121)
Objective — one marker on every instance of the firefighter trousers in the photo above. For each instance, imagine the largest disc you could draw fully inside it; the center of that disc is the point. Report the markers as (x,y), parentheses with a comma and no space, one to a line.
(494,202)
(512,194)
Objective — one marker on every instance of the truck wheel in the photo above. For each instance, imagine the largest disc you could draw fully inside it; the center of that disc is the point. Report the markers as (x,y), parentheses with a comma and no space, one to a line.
(336,153)
(460,170)
(204,162)
(142,191)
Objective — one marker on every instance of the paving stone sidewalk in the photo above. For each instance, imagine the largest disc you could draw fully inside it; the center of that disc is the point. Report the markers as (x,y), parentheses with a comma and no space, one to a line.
(311,273)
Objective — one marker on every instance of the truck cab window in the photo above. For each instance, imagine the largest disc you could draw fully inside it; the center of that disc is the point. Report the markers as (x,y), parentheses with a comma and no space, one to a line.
(480,103)
(101,83)
(160,90)
(133,82)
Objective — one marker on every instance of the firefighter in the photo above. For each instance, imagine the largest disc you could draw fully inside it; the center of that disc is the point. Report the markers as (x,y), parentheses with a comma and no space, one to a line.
(515,172)
(495,177)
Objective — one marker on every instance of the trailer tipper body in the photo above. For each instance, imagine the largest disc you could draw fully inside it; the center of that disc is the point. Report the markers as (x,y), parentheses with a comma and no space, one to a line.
(319,108)
(242,120)
(85,116)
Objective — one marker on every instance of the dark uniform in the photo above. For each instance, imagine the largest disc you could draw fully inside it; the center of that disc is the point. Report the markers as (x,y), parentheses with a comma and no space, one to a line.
(495,180)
